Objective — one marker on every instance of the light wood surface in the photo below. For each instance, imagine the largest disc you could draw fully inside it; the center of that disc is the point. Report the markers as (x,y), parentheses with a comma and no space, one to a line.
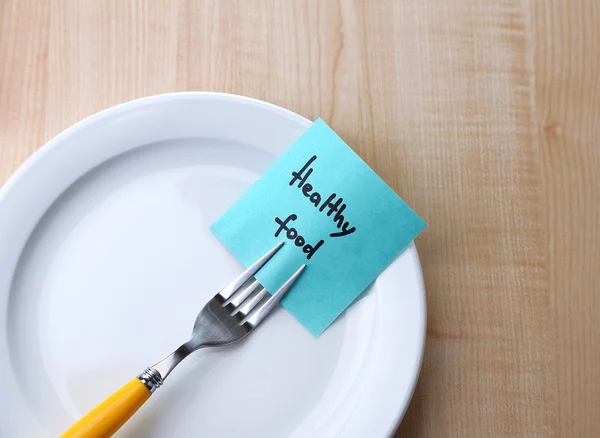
(483,114)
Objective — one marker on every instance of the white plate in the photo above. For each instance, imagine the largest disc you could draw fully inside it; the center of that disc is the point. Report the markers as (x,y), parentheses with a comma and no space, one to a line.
(106,258)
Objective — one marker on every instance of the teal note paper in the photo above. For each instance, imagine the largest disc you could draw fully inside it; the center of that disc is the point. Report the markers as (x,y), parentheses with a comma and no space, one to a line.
(334,213)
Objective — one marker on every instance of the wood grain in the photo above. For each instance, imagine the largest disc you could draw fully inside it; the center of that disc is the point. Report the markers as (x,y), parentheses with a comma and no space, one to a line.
(483,115)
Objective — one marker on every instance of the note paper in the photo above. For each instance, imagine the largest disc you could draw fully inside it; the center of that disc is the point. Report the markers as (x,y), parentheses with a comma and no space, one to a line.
(334,213)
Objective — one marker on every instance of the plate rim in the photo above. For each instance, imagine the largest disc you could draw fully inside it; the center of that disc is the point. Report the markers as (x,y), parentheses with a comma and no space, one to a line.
(23,170)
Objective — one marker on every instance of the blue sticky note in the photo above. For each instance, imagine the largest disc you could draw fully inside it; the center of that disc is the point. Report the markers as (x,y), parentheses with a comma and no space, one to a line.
(334,213)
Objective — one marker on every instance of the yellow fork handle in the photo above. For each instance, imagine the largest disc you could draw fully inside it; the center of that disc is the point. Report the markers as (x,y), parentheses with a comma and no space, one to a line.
(106,418)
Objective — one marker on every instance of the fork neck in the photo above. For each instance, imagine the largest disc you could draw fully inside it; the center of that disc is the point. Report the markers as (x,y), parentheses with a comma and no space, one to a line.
(165,366)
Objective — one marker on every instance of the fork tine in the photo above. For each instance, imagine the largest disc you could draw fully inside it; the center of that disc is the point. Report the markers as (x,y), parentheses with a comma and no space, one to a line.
(228,291)
(250,304)
(238,298)
(256,317)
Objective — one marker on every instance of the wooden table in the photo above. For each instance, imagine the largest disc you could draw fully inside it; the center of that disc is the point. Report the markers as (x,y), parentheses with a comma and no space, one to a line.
(483,115)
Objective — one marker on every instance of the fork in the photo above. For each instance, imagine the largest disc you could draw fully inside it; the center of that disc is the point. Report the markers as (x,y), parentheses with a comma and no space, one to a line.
(228,317)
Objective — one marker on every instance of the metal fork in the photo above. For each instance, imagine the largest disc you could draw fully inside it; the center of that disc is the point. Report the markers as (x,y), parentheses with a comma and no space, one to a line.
(228,317)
